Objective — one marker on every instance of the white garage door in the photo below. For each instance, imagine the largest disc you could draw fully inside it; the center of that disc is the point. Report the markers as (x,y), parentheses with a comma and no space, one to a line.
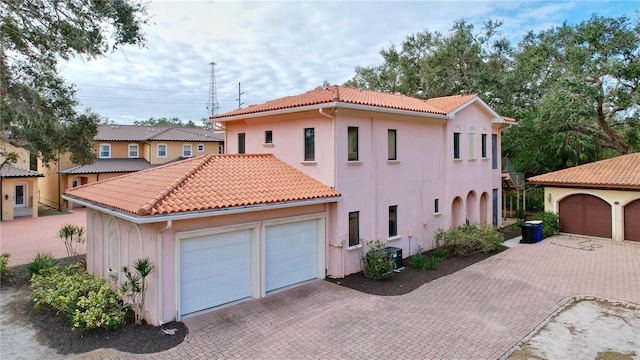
(291,253)
(214,270)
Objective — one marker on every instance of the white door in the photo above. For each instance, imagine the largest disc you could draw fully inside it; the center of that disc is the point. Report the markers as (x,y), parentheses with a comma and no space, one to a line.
(20,195)
(291,253)
(214,270)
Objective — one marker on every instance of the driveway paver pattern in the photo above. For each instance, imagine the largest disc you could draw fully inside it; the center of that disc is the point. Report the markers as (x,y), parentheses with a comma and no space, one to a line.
(480,312)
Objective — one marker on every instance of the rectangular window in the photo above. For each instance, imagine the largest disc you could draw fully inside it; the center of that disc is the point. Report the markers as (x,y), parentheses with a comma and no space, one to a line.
(162,150)
(484,146)
(354,228)
(352,137)
(472,146)
(393,220)
(494,151)
(391,145)
(268,137)
(105,151)
(133,150)
(186,150)
(220,149)
(200,147)
(241,143)
(436,206)
(309,144)
(456,145)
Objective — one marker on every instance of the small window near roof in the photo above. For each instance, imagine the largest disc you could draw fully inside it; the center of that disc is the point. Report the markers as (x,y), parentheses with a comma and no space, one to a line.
(456,145)
(309,144)
(200,147)
(105,151)
(186,150)
(268,137)
(484,146)
(391,144)
(133,150)
(352,138)
(162,150)
(220,149)
(241,139)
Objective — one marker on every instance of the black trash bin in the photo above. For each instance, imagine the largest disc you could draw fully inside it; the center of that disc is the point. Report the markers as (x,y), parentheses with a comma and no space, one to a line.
(396,255)
(528,233)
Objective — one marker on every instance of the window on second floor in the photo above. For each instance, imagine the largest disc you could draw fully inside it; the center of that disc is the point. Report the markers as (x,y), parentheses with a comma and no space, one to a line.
(220,149)
(133,150)
(494,151)
(268,137)
(484,146)
(162,150)
(391,144)
(309,144)
(186,150)
(200,147)
(352,138)
(105,151)
(241,138)
(456,145)
(393,220)
(354,228)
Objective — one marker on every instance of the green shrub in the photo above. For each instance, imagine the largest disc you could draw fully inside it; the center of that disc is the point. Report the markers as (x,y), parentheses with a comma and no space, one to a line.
(40,262)
(550,223)
(469,238)
(85,300)
(421,261)
(4,261)
(418,261)
(377,262)
(440,253)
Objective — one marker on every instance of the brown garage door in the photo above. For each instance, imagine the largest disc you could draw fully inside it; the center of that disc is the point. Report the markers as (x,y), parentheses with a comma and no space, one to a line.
(632,221)
(585,215)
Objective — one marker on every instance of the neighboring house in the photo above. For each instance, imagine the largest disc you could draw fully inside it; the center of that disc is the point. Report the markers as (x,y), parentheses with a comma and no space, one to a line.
(597,199)
(404,166)
(18,185)
(122,149)
(219,228)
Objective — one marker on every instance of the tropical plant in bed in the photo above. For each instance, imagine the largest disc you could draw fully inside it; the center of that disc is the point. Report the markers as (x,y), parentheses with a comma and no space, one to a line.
(4,261)
(422,261)
(135,286)
(469,238)
(41,262)
(377,263)
(73,237)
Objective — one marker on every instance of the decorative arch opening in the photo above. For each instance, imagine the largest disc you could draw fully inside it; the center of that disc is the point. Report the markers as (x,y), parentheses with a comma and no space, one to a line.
(472,207)
(484,208)
(457,212)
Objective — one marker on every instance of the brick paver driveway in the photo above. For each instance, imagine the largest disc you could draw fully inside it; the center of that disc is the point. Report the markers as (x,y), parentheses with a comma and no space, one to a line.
(480,312)
(24,237)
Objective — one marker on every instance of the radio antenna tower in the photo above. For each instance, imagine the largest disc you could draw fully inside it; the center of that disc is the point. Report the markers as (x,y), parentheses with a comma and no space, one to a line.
(212,105)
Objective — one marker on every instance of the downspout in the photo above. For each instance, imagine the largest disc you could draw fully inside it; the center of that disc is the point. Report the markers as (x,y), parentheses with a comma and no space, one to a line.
(160,277)
(374,177)
(59,179)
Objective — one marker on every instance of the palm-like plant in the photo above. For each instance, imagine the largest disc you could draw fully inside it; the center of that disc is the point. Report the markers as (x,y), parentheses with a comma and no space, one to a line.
(135,287)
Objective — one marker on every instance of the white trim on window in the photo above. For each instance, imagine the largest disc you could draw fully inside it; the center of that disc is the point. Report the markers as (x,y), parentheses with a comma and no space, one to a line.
(158,151)
(101,152)
(200,148)
(133,146)
(187,150)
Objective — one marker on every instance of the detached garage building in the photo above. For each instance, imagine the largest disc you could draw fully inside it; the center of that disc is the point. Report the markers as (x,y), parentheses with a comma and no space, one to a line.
(219,228)
(597,199)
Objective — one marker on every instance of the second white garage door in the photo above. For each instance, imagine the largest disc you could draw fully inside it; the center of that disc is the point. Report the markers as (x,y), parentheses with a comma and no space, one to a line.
(214,270)
(291,253)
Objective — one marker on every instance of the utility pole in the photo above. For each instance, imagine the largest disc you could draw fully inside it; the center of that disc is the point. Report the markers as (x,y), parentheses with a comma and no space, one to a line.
(240,93)
(212,104)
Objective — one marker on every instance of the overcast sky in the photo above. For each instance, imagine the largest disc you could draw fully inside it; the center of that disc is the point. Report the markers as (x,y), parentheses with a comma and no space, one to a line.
(277,49)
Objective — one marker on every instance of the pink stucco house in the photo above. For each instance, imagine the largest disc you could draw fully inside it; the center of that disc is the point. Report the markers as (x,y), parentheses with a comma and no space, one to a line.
(307,180)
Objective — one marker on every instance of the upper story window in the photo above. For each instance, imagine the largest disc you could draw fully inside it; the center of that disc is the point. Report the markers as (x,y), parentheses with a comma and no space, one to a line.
(241,137)
(309,144)
(186,150)
(393,220)
(133,150)
(162,150)
(484,146)
(472,144)
(200,147)
(456,145)
(105,151)
(268,137)
(220,149)
(391,145)
(352,138)
(354,228)
(494,151)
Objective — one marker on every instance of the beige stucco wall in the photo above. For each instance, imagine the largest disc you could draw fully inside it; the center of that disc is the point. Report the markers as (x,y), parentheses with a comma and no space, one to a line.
(50,188)
(618,199)
(23,155)
(8,189)
(174,150)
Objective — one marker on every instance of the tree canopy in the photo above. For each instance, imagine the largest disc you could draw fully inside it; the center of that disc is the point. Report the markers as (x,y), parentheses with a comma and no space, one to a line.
(37,107)
(572,88)
(173,122)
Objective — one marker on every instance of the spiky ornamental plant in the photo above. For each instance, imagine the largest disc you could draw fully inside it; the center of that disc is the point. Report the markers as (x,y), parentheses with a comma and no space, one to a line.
(134,289)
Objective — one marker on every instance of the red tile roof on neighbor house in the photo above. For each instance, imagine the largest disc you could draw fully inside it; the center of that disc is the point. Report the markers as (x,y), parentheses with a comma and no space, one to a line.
(115,132)
(622,172)
(203,183)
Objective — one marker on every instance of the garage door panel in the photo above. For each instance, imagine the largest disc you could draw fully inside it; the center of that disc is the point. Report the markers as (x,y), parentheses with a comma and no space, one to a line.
(632,221)
(586,215)
(291,253)
(214,270)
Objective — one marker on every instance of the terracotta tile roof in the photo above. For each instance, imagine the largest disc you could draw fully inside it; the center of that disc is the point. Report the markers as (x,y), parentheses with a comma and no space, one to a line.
(340,94)
(155,133)
(9,171)
(446,104)
(205,182)
(104,166)
(619,172)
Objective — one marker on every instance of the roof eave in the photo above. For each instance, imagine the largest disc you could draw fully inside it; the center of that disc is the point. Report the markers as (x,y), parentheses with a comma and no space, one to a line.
(586,186)
(149,219)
